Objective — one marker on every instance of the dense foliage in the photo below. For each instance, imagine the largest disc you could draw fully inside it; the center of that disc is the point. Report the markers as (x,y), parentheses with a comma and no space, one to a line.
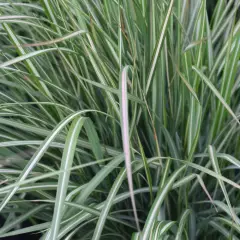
(119,119)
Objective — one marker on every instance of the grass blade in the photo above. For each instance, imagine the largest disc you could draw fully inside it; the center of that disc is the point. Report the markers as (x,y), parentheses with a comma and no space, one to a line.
(159,47)
(67,159)
(31,54)
(157,203)
(221,183)
(216,93)
(108,203)
(182,224)
(37,156)
(125,137)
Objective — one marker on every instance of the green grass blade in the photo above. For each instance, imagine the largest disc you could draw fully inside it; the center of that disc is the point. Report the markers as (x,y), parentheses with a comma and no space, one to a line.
(108,204)
(216,93)
(31,54)
(67,159)
(215,164)
(157,203)
(182,223)
(37,156)
(159,47)
(93,139)
(20,219)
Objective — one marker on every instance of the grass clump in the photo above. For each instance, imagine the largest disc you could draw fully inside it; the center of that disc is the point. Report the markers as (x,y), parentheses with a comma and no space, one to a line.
(120,119)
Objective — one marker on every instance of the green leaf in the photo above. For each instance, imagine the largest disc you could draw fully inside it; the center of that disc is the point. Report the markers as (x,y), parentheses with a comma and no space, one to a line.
(93,139)
(158,47)
(21,219)
(37,156)
(215,164)
(182,223)
(158,202)
(67,160)
(216,93)
(31,54)
(108,204)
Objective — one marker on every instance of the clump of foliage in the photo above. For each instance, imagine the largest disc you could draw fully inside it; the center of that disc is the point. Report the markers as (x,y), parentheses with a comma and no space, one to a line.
(120,119)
